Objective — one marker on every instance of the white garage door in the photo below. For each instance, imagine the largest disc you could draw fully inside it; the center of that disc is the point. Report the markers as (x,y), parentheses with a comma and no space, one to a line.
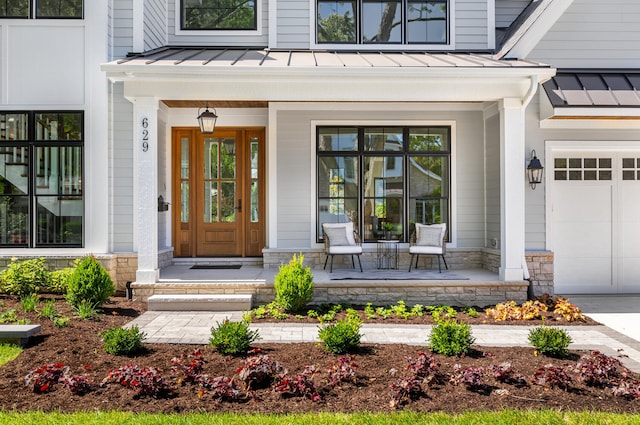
(595,222)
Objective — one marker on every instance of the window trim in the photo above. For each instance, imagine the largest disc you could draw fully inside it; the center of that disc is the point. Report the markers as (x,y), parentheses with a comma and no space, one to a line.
(32,14)
(449,45)
(452,204)
(32,143)
(179,31)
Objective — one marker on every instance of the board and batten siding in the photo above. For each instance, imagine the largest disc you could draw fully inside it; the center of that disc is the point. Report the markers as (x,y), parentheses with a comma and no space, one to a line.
(155,24)
(297,184)
(471,29)
(121,171)
(216,38)
(293,24)
(508,10)
(121,28)
(593,34)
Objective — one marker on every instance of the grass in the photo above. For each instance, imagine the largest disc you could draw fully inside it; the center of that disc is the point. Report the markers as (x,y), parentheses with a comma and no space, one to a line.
(9,352)
(546,417)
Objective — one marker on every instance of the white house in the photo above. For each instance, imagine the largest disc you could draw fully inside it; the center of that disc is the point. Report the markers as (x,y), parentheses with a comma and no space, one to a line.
(403,111)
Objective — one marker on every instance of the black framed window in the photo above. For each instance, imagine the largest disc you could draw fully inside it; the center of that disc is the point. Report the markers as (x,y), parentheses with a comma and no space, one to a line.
(218,14)
(379,177)
(382,22)
(41,9)
(41,174)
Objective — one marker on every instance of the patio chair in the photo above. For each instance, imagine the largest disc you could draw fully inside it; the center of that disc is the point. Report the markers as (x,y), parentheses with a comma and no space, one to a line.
(429,239)
(341,239)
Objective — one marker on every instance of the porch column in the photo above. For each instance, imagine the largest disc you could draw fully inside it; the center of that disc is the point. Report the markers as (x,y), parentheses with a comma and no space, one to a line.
(145,153)
(512,186)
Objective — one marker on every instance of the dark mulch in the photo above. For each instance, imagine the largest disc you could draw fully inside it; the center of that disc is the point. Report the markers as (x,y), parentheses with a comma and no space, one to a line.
(79,347)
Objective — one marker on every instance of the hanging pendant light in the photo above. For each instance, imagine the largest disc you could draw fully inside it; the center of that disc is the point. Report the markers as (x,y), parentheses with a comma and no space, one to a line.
(207,120)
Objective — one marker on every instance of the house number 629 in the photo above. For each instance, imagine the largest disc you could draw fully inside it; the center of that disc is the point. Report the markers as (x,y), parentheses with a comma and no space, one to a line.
(145,134)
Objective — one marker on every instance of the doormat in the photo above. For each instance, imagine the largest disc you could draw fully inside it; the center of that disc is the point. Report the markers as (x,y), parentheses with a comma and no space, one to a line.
(395,275)
(216,266)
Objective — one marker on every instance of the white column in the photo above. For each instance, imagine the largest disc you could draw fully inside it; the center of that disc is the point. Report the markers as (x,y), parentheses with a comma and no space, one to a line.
(512,186)
(145,113)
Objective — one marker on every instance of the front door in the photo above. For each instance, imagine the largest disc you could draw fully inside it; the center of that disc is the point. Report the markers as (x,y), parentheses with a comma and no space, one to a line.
(218,180)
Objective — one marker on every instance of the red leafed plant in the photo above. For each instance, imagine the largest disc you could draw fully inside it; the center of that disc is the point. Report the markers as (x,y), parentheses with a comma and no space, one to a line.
(258,371)
(220,387)
(45,377)
(627,387)
(472,377)
(505,373)
(190,366)
(552,376)
(596,369)
(343,371)
(403,390)
(425,366)
(77,384)
(142,380)
(299,385)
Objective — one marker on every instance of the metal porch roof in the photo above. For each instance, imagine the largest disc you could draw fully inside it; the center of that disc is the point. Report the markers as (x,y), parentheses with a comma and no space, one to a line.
(602,89)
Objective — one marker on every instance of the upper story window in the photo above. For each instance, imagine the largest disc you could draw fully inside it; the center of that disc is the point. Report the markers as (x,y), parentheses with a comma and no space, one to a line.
(41,9)
(218,14)
(382,22)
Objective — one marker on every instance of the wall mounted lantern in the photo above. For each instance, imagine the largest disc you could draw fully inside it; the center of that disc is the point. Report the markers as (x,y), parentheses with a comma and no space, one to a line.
(534,170)
(207,120)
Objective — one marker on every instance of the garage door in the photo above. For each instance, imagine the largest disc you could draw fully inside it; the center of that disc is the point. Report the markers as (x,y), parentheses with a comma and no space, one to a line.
(595,222)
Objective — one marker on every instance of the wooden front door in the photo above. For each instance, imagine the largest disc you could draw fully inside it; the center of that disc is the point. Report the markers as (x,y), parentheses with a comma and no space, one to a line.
(218,182)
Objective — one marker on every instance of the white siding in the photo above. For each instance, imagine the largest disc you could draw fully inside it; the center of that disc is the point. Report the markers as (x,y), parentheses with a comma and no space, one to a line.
(293,24)
(155,24)
(508,10)
(296,153)
(121,171)
(593,34)
(122,28)
(471,32)
(217,38)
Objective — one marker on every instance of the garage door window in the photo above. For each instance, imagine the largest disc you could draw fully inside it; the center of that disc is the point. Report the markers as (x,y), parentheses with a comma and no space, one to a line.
(583,169)
(630,168)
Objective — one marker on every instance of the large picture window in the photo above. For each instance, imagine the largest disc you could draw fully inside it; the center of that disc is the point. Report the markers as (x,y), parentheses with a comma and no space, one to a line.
(41,163)
(383,177)
(382,22)
(218,14)
(41,9)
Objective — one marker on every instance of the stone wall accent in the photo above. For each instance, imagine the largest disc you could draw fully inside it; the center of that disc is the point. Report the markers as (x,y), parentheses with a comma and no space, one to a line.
(540,264)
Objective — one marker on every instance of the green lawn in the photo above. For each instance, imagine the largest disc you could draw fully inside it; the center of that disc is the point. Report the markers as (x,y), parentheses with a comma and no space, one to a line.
(507,418)
(9,352)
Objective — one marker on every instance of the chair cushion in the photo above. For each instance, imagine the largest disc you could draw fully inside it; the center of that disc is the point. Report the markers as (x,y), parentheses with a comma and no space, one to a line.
(340,234)
(425,249)
(430,234)
(353,249)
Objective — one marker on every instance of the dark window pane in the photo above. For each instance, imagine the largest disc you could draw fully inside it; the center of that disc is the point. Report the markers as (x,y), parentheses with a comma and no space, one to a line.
(575,175)
(605,175)
(338,139)
(628,175)
(14,173)
(14,220)
(59,170)
(336,21)
(628,163)
(560,162)
(219,15)
(59,126)
(383,139)
(14,8)
(590,163)
(590,175)
(605,162)
(429,139)
(427,211)
(560,175)
(575,162)
(427,21)
(13,126)
(381,21)
(59,9)
(59,220)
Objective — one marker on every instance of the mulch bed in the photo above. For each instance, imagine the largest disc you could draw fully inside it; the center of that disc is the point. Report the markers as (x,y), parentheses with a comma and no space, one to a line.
(79,347)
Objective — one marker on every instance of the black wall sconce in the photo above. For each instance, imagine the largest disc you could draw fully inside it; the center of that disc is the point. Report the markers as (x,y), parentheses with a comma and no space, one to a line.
(534,170)
(207,120)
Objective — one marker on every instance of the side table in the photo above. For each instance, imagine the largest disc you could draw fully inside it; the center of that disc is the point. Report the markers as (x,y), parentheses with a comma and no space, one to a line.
(387,254)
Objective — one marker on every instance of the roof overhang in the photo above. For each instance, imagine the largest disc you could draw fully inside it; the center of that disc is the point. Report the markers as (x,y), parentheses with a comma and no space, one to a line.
(267,75)
(591,94)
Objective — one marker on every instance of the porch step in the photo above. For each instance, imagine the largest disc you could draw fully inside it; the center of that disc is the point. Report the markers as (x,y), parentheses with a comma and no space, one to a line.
(20,333)
(200,302)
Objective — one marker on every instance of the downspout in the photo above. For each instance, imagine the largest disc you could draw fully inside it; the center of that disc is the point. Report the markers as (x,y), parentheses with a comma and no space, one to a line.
(533,89)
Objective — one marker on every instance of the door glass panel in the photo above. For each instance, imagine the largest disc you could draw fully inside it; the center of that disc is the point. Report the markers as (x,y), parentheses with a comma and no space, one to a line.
(228,202)
(254,207)
(210,158)
(254,158)
(254,202)
(228,162)
(210,202)
(184,158)
(184,202)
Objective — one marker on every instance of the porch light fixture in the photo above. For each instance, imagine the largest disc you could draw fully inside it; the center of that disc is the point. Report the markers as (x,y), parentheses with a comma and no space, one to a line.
(534,170)
(207,120)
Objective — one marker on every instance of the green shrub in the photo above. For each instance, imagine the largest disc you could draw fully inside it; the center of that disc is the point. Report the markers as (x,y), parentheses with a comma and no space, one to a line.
(48,309)
(232,338)
(86,311)
(294,285)
(451,338)
(29,302)
(89,283)
(121,341)
(59,280)
(343,336)
(550,341)
(24,277)
(61,322)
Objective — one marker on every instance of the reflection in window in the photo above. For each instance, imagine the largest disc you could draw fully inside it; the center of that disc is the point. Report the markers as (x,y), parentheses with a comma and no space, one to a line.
(219,15)
(42,9)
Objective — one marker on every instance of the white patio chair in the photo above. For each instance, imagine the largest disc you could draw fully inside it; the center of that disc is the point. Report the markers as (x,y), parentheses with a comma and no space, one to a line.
(341,239)
(429,239)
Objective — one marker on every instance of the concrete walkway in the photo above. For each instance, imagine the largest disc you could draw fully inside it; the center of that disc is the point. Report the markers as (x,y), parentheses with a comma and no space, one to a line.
(195,328)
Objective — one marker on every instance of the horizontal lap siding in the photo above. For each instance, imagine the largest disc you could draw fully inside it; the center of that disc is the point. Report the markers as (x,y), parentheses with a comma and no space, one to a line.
(593,34)
(293,24)
(508,10)
(471,27)
(122,28)
(155,24)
